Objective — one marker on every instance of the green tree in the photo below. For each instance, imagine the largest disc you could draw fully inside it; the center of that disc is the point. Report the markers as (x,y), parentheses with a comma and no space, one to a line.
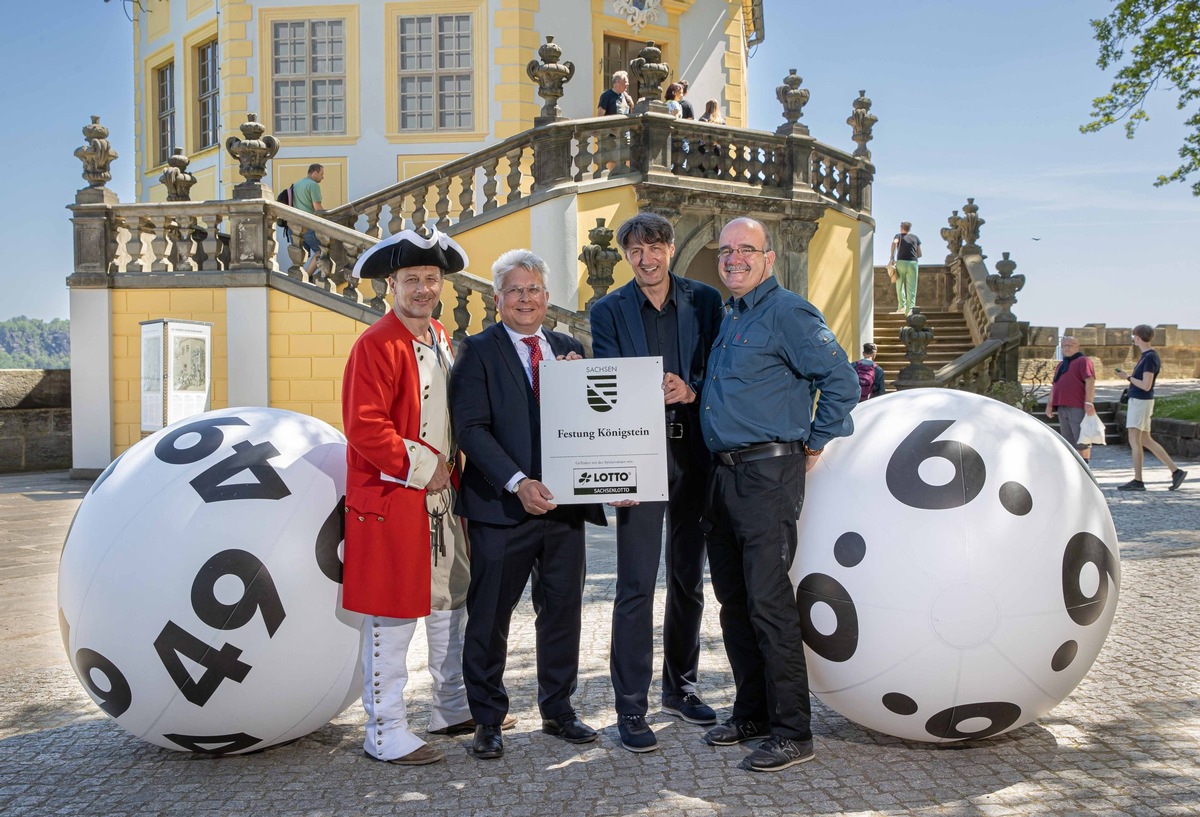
(30,343)
(1154,42)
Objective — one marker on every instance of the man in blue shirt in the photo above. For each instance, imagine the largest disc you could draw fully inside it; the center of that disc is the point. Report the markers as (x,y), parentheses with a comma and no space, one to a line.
(772,355)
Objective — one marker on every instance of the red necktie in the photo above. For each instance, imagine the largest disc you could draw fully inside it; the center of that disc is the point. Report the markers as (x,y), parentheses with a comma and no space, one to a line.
(535,357)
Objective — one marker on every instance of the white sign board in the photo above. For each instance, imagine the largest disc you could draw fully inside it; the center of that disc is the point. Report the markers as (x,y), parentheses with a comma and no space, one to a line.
(176,371)
(604,434)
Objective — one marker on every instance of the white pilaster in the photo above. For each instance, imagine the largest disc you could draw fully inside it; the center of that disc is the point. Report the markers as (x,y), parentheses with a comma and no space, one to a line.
(91,379)
(554,235)
(866,285)
(248,354)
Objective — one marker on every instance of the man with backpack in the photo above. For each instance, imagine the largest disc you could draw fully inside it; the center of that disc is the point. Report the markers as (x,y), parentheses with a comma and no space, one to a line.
(870,375)
(306,196)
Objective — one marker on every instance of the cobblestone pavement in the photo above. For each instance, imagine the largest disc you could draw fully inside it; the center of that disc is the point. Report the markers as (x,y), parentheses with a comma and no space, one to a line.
(1126,742)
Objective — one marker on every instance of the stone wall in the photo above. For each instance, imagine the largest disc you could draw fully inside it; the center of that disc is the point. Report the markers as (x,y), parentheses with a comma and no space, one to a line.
(1110,347)
(35,420)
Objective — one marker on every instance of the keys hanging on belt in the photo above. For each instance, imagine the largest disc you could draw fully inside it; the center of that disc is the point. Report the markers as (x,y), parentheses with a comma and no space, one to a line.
(440,502)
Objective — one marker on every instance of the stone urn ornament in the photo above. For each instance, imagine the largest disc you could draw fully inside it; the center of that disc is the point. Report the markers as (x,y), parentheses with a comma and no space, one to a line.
(793,98)
(253,151)
(550,76)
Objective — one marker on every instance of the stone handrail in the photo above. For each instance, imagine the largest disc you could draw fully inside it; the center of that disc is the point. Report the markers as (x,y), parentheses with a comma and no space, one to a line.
(974,371)
(219,236)
(996,342)
(563,154)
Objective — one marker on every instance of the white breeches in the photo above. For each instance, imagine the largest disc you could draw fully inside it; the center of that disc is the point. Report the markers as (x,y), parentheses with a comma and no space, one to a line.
(385,674)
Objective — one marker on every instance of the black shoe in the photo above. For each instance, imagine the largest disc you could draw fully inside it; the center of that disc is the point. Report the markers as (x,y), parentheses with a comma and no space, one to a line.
(1177,478)
(569,728)
(690,708)
(636,734)
(1133,485)
(487,742)
(468,726)
(735,731)
(776,754)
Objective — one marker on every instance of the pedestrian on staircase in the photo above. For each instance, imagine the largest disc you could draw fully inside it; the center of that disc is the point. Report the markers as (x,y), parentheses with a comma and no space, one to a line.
(306,196)
(870,373)
(1141,411)
(1073,393)
(906,249)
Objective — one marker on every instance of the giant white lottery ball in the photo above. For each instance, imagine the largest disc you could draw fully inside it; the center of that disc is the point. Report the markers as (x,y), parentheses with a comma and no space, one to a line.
(957,571)
(199,589)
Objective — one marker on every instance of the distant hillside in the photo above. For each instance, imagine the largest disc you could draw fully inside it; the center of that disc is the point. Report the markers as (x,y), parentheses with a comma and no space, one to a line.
(31,343)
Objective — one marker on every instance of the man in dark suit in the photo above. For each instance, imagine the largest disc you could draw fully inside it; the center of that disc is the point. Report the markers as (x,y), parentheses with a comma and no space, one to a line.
(660,314)
(513,524)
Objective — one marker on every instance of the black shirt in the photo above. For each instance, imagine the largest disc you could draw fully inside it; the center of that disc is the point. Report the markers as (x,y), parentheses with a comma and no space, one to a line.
(662,333)
(906,250)
(688,113)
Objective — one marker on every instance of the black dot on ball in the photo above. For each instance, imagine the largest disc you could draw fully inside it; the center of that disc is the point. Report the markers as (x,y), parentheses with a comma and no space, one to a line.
(900,703)
(1063,656)
(1016,498)
(849,549)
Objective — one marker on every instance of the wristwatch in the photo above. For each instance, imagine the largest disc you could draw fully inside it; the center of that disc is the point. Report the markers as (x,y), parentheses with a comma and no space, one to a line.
(812,452)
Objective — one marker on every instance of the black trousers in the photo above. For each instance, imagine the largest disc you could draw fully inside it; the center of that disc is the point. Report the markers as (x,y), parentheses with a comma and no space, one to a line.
(503,558)
(752,509)
(639,546)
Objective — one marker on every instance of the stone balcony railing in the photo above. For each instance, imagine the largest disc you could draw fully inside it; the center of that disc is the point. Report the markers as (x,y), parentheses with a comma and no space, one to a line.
(557,158)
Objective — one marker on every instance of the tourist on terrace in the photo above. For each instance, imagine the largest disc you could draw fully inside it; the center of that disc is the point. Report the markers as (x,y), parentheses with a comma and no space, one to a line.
(1141,411)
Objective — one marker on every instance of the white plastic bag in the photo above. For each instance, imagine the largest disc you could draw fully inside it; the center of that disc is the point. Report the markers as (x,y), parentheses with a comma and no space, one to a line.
(1091,430)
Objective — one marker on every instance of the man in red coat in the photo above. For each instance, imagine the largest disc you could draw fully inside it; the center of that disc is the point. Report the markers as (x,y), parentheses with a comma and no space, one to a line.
(405,552)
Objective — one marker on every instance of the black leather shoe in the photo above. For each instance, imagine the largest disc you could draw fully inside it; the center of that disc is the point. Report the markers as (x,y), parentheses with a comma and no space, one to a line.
(487,742)
(468,726)
(569,728)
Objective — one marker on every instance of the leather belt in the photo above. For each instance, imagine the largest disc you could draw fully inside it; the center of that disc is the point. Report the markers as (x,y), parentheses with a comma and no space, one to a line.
(674,431)
(759,452)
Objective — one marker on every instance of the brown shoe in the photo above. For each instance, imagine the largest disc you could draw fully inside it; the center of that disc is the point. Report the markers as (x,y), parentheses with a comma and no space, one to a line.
(468,726)
(421,756)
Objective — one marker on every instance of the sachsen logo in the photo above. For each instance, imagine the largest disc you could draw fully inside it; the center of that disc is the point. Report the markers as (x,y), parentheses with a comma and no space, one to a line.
(594,481)
(602,391)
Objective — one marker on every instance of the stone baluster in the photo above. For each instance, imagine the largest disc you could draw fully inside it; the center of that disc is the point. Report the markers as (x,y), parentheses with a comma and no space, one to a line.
(396,221)
(513,180)
(373,228)
(466,195)
(350,291)
(442,187)
(134,248)
(489,311)
(649,71)
(322,276)
(550,76)
(296,253)
(160,243)
(176,178)
(915,336)
(419,212)
(953,237)
(1005,286)
(97,157)
(599,258)
(186,245)
(253,151)
(861,122)
(378,302)
(793,98)
(462,312)
(970,224)
(490,183)
(207,234)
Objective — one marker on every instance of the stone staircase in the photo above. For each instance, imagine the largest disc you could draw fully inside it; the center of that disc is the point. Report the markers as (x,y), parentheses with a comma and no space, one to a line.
(1113,433)
(951,338)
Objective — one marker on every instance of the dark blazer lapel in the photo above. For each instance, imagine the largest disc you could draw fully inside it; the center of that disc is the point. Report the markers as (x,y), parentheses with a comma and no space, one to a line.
(686,316)
(508,353)
(631,317)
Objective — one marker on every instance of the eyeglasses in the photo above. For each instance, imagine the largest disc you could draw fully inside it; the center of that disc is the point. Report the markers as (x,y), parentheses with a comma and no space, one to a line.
(725,253)
(520,292)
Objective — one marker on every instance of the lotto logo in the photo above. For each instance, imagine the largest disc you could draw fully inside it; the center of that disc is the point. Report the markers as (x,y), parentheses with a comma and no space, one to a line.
(589,481)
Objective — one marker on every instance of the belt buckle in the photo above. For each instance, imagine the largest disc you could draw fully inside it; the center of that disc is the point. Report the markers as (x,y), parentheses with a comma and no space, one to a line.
(674,431)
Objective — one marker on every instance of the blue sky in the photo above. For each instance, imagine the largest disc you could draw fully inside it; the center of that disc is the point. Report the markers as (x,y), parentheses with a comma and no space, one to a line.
(973,99)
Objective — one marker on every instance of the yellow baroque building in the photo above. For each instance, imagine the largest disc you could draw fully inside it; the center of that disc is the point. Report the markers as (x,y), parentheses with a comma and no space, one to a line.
(381,90)
(428,113)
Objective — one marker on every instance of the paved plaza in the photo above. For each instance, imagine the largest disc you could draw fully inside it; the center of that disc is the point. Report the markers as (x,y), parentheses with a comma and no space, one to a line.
(1126,742)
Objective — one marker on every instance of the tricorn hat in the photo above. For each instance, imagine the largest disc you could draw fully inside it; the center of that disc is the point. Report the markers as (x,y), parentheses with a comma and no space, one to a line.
(409,248)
